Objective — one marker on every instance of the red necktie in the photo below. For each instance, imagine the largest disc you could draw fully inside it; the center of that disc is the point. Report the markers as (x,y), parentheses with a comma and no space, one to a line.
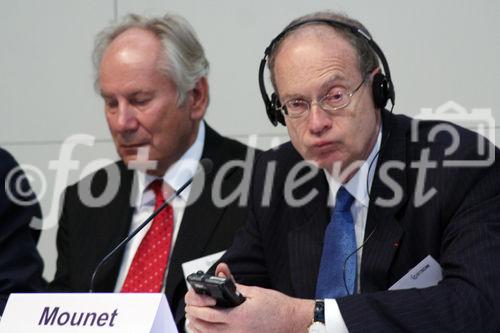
(147,270)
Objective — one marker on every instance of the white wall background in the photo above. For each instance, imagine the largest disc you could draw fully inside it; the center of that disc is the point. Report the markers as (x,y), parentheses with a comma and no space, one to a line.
(438,51)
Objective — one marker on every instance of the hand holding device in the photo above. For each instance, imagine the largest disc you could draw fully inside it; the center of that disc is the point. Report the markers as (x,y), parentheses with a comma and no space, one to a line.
(223,290)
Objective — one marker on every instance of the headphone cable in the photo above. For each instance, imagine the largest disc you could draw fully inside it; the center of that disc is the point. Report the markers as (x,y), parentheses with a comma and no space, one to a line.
(370,201)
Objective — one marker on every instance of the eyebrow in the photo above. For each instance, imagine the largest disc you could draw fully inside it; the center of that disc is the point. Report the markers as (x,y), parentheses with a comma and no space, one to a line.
(103,94)
(130,95)
(334,80)
(325,87)
(290,97)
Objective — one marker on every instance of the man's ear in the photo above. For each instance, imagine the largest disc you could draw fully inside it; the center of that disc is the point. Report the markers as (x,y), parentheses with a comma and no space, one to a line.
(199,99)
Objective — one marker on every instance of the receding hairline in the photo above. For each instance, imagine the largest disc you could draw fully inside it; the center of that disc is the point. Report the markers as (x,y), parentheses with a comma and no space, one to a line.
(317,31)
(367,58)
(130,39)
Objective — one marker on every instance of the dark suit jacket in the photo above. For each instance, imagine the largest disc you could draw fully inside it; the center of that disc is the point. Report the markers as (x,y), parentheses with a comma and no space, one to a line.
(280,246)
(20,264)
(87,234)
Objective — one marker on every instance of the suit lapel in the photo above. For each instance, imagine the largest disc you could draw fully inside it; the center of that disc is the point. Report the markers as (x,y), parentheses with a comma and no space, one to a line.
(200,218)
(305,237)
(383,231)
(114,222)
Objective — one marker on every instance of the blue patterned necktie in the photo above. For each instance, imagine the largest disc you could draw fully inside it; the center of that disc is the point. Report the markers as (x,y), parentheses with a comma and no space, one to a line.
(339,243)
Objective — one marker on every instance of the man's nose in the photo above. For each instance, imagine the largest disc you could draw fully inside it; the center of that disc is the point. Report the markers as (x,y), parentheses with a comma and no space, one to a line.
(319,120)
(127,120)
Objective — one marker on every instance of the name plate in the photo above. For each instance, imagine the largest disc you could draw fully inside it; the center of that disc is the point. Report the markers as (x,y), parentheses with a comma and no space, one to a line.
(98,312)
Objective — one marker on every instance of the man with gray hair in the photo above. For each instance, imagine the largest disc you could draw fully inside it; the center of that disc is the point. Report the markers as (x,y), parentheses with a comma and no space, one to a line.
(152,75)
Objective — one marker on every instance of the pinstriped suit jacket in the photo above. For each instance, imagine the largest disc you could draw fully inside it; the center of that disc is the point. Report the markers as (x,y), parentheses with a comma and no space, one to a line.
(280,246)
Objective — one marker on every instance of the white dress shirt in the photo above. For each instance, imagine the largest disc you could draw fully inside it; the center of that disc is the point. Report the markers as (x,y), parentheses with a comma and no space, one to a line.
(176,175)
(357,187)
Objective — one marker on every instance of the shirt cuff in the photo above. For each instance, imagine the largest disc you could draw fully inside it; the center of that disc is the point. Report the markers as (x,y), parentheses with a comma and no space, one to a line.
(333,319)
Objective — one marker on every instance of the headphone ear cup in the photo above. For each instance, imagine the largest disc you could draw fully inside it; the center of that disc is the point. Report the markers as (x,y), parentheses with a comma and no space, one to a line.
(277,116)
(380,89)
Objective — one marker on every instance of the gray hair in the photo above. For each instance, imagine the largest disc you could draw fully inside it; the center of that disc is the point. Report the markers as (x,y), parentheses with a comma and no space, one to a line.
(183,59)
(367,58)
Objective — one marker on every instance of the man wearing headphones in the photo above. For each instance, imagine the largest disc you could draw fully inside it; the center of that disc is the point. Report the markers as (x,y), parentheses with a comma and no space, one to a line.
(357,199)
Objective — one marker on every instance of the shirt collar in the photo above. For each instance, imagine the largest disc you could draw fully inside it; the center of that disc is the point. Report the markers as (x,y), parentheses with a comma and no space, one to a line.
(357,185)
(179,172)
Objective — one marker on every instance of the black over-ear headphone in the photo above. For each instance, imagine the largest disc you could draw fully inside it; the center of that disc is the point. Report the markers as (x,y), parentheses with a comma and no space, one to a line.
(383,89)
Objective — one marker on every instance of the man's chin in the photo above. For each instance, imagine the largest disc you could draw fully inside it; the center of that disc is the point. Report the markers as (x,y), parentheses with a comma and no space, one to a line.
(128,158)
(329,162)
(139,163)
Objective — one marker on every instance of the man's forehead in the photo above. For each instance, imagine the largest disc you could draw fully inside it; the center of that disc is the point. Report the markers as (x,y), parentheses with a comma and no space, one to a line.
(320,45)
(316,57)
(319,36)
(305,44)
(135,55)
(133,46)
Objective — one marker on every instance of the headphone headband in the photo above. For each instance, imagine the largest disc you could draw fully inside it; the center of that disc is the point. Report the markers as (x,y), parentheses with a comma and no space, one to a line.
(383,88)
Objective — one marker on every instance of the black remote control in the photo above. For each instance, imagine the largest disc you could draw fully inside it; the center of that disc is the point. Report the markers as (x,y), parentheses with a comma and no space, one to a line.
(221,289)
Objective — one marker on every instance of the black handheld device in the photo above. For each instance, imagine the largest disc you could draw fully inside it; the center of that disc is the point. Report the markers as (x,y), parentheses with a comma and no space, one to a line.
(221,289)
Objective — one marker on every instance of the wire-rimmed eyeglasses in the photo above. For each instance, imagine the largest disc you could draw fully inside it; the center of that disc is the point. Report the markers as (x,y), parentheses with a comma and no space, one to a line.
(336,99)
